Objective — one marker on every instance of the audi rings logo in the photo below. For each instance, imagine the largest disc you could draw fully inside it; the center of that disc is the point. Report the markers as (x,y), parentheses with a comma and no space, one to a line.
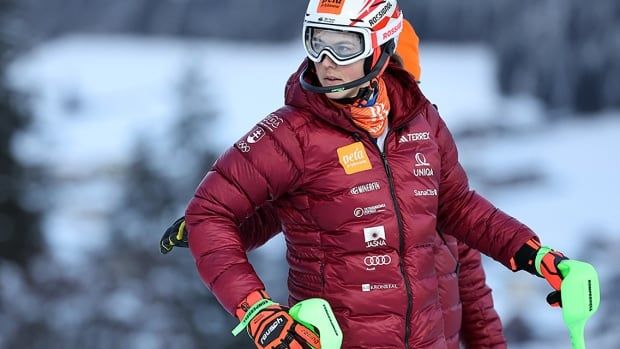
(373,261)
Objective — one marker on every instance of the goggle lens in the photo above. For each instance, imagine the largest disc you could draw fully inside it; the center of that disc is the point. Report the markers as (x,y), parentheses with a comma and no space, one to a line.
(344,45)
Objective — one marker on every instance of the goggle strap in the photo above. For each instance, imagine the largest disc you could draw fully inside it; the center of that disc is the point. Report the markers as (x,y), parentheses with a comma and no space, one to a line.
(378,69)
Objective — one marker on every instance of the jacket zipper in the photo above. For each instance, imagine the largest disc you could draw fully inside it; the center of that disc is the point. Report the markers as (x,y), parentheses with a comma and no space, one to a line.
(401,236)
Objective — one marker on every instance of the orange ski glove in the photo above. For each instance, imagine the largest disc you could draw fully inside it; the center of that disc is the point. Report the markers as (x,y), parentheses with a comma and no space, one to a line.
(541,261)
(270,325)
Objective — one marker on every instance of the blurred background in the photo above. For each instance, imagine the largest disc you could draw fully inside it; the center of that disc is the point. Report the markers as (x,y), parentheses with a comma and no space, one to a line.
(112,111)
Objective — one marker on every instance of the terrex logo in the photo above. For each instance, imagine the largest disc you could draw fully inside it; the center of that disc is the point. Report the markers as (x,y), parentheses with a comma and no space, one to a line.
(330,6)
(353,158)
(412,137)
(380,15)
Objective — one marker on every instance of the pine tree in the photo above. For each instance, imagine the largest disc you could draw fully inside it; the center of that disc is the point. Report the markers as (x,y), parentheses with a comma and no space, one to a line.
(20,238)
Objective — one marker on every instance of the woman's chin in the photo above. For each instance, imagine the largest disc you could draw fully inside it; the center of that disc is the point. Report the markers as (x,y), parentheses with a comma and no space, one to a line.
(342,94)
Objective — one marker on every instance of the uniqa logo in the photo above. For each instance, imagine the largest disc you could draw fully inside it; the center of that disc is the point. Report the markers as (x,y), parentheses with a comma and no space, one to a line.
(420,161)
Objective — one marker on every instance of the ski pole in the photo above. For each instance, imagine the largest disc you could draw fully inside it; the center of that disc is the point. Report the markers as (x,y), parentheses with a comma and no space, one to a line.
(580,292)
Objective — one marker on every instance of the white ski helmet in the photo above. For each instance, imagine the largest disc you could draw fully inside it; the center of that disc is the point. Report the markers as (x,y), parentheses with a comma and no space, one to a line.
(356,29)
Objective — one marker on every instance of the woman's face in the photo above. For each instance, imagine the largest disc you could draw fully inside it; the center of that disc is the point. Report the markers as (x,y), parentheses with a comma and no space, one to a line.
(331,74)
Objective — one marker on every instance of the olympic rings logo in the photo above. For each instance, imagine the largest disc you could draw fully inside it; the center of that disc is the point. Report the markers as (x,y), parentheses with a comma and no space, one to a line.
(373,261)
(243,146)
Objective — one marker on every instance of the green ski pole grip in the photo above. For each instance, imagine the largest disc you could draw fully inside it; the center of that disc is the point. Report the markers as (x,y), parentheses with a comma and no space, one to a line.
(315,313)
(580,298)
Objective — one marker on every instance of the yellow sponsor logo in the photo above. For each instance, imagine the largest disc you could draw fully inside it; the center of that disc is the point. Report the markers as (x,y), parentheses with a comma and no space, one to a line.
(353,158)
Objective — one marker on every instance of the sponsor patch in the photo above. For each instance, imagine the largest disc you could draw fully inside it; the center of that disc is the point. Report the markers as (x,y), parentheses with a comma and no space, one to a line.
(255,135)
(330,6)
(365,188)
(422,166)
(392,31)
(426,192)
(374,236)
(360,212)
(243,147)
(271,122)
(378,287)
(353,158)
(371,262)
(413,137)
(379,15)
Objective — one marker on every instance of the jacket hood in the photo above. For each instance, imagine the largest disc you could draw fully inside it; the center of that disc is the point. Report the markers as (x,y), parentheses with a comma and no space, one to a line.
(406,99)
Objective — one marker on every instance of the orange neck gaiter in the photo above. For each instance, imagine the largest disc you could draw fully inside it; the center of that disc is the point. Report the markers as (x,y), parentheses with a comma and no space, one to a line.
(374,118)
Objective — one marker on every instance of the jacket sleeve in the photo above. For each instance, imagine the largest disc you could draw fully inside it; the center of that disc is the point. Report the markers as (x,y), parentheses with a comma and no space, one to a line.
(465,214)
(262,166)
(259,228)
(481,326)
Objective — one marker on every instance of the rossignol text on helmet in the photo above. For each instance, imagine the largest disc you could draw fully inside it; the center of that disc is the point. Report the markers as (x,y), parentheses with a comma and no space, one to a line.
(347,31)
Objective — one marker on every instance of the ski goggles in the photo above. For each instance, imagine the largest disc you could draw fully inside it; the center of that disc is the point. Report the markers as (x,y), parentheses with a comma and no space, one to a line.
(342,46)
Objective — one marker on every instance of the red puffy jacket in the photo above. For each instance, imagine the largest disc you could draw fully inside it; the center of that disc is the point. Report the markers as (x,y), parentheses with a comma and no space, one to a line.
(469,316)
(362,226)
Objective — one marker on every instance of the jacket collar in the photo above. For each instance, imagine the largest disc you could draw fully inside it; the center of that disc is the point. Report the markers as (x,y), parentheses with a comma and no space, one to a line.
(406,99)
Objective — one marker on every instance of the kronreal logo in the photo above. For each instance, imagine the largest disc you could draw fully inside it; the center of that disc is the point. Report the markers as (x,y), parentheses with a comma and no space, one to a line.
(427,192)
(412,137)
(374,236)
(378,287)
(365,188)
(359,212)
(379,15)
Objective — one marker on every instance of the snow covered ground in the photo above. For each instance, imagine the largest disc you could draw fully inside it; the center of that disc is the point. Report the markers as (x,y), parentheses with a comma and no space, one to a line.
(94,95)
